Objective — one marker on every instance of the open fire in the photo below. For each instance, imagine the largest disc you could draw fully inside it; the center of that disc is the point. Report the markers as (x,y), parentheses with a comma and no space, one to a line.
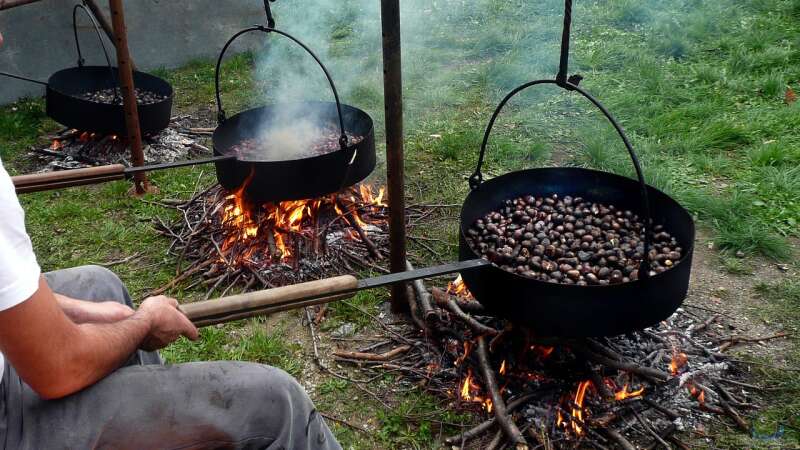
(629,391)
(225,242)
(276,232)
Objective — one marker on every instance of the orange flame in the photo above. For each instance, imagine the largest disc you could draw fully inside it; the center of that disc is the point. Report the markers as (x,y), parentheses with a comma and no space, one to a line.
(577,413)
(458,288)
(542,351)
(275,222)
(625,393)
(698,394)
(56,145)
(503,367)
(470,391)
(467,350)
(678,360)
(578,410)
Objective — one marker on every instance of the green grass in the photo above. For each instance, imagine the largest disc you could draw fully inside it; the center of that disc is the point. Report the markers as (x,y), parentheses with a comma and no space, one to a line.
(255,343)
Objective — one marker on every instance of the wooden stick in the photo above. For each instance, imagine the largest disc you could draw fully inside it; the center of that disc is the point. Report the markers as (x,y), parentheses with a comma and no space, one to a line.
(445,300)
(658,439)
(733,340)
(648,372)
(423,296)
(386,356)
(667,412)
(703,325)
(500,411)
(619,438)
(486,425)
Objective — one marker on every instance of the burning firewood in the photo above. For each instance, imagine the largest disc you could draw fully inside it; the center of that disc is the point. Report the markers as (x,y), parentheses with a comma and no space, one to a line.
(626,391)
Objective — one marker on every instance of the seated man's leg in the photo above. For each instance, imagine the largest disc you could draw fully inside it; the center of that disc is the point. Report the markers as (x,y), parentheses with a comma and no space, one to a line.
(96,284)
(209,405)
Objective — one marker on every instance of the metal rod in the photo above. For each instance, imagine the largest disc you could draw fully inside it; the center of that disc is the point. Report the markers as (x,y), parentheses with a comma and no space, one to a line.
(393,106)
(103,21)
(8,4)
(128,93)
(176,164)
(18,77)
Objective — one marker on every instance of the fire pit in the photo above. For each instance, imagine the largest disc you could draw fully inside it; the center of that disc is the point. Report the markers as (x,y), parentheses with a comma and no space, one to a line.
(73,149)
(637,390)
(224,241)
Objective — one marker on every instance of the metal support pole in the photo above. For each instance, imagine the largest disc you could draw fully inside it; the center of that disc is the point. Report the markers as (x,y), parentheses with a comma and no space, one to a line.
(393,104)
(128,93)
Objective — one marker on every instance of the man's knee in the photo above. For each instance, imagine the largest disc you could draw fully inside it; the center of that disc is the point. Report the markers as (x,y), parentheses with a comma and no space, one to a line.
(89,282)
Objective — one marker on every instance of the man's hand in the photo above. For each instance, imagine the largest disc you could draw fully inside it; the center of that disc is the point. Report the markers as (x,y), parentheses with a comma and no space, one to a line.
(80,311)
(167,323)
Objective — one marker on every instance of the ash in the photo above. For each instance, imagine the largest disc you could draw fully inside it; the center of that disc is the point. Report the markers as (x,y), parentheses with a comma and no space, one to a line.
(74,149)
(646,389)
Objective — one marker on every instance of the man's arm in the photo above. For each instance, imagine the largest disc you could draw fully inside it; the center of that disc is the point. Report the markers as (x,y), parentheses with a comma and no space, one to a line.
(82,311)
(58,357)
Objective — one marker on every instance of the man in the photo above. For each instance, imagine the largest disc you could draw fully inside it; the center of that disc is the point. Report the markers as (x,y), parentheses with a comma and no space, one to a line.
(79,368)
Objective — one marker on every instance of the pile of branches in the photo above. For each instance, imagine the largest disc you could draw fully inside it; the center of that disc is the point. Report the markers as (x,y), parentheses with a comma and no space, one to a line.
(639,390)
(335,245)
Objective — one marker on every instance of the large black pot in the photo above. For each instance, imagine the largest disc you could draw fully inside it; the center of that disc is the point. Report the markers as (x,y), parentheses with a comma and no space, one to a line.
(64,105)
(569,310)
(65,86)
(273,179)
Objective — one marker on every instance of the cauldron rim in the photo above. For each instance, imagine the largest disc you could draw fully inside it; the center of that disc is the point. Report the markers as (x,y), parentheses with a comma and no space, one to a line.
(688,247)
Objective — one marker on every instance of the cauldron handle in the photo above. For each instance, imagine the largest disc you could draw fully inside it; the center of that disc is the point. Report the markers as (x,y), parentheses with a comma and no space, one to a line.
(221,112)
(477,177)
(81,61)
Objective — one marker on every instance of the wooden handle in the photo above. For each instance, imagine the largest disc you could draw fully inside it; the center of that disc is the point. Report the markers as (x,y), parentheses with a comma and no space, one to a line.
(286,297)
(64,184)
(72,177)
(238,315)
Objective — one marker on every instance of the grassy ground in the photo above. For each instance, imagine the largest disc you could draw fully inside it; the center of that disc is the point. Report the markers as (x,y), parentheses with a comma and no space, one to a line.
(699,86)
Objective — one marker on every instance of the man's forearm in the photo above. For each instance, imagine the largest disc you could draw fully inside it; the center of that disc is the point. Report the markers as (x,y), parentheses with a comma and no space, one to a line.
(70,306)
(82,311)
(99,349)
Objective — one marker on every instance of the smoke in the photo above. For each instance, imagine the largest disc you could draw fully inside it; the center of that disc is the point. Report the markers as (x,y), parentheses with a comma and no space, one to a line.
(449,47)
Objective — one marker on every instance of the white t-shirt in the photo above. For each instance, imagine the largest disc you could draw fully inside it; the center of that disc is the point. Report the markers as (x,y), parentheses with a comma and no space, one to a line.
(19,271)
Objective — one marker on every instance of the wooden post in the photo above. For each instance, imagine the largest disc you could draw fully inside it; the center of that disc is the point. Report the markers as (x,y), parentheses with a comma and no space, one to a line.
(393,105)
(128,94)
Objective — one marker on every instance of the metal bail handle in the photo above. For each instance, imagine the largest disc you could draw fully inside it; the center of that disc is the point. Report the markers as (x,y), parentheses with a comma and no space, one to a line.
(477,177)
(81,61)
(221,112)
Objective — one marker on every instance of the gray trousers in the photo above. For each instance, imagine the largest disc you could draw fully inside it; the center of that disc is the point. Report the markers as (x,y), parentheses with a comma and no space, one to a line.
(146,405)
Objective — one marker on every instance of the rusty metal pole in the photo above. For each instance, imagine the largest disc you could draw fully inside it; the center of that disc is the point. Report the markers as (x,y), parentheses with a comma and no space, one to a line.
(128,94)
(393,106)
